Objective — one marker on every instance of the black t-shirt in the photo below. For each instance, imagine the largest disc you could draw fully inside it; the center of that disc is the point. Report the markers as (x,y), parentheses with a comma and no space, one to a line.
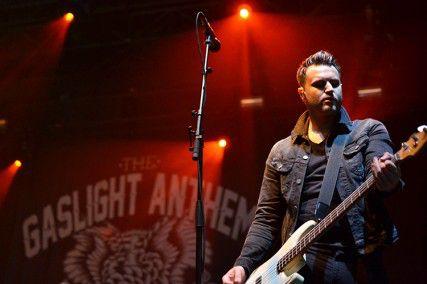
(338,239)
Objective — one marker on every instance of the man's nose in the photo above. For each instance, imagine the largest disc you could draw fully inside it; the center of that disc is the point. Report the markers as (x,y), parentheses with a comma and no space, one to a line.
(328,87)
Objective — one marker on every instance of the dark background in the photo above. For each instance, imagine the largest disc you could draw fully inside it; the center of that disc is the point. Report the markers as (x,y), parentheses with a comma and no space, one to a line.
(130,70)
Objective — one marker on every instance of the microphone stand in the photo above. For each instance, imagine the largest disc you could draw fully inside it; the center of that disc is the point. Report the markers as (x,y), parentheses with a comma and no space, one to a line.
(197,150)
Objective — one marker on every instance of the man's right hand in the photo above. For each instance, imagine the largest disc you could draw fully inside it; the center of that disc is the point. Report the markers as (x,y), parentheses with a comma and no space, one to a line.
(235,275)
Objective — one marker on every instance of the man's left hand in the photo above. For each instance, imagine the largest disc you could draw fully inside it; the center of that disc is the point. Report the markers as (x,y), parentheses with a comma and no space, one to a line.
(386,173)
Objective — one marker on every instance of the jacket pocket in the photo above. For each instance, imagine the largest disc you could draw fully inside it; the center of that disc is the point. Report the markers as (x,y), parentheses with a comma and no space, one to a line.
(284,169)
(282,166)
(353,155)
(356,146)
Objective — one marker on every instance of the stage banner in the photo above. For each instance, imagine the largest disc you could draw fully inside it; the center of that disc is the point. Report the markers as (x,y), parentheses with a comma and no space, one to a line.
(120,212)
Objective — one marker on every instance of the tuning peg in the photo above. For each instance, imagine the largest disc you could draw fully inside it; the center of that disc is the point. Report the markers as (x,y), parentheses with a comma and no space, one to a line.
(405,146)
(422,128)
(415,137)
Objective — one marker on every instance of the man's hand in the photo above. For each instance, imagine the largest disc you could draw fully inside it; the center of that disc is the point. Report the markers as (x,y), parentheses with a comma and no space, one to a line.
(235,275)
(385,172)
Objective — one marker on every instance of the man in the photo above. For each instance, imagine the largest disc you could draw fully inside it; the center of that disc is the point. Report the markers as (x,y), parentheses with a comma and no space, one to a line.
(293,178)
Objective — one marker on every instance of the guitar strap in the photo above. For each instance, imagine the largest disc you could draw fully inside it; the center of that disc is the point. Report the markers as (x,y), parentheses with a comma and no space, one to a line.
(330,177)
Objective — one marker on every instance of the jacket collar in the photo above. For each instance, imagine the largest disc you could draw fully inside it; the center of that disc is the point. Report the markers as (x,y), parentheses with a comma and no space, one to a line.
(300,130)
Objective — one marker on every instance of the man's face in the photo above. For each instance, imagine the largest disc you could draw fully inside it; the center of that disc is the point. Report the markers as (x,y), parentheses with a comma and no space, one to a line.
(322,90)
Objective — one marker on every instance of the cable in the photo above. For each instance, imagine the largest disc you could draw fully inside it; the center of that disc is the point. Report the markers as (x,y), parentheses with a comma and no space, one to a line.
(198,37)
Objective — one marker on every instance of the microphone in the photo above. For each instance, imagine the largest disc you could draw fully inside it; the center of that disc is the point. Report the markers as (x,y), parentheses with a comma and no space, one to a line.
(215,44)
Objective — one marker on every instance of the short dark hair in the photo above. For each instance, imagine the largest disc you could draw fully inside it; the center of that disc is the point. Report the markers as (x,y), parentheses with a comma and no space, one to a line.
(319,58)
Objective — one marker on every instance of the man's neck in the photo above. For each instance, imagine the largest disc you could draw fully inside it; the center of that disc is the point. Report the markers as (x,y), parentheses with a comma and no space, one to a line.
(320,127)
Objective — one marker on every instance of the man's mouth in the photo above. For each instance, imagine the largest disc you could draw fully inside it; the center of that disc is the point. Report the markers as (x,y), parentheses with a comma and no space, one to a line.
(330,100)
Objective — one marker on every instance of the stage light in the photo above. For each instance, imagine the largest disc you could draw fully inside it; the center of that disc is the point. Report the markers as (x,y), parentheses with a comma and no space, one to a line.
(18,163)
(244,13)
(369,92)
(222,143)
(69,17)
(3,125)
(252,102)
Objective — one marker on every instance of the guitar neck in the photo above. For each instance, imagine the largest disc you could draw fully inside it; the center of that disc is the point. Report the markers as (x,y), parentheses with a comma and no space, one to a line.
(326,222)
(337,213)
(341,209)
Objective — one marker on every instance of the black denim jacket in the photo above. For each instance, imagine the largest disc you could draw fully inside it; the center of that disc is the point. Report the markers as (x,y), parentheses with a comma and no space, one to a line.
(279,199)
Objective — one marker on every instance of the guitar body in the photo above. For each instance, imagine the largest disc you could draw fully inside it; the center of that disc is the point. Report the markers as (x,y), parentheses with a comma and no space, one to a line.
(267,272)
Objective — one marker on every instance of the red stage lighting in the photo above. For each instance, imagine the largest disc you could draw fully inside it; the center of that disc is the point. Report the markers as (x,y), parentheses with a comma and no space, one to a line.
(222,143)
(6,178)
(69,17)
(244,12)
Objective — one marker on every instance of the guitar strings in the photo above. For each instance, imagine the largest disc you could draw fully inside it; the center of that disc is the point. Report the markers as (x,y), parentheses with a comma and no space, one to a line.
(319,228)
(326,222)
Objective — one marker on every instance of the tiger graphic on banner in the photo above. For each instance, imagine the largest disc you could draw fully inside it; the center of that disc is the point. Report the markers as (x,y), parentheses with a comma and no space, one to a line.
(162,254)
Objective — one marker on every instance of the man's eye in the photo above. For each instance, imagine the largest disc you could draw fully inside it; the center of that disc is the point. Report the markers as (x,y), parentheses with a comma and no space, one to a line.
(320,84)
(335,83)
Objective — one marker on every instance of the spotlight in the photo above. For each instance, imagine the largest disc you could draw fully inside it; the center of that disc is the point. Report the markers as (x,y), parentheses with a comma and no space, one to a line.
(69,17)
(18,163)
(3,124)
(252,102)
(369,92)
(244,12)
(222,143)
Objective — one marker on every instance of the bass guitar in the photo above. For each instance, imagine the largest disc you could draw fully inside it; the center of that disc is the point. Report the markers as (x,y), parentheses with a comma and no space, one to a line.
(283,267)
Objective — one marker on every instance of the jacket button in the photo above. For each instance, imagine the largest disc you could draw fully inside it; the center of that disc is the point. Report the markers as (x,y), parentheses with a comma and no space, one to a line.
(305,157)
(298,180)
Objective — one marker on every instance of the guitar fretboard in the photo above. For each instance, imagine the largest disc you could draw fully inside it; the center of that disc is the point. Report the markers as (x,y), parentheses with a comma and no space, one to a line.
(325,223)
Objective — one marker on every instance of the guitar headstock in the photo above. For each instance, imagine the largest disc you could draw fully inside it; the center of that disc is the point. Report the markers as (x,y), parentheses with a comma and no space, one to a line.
(414,144)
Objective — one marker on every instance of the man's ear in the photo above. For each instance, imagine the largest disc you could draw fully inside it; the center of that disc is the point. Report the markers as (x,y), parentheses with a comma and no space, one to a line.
(301,94)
